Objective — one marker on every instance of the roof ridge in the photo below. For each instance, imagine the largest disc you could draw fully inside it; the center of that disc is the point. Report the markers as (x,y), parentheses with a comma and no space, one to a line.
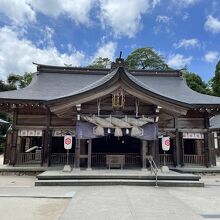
(71,70)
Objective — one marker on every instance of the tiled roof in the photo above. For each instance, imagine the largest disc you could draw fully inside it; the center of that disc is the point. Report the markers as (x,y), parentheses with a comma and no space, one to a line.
(55,82)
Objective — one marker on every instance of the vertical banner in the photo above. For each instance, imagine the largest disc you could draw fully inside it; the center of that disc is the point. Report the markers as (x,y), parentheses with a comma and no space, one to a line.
(165,143)
(68,142)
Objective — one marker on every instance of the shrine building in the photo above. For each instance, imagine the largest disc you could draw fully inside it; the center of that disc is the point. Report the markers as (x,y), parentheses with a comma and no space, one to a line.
(108,112)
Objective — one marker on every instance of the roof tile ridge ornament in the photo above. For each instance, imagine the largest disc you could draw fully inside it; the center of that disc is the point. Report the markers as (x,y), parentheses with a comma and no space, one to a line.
(119,62)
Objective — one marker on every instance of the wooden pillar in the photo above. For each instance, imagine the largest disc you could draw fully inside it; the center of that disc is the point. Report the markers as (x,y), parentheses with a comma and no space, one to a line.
(176,146)
(176,150)
(49,145)
(207,144)
(144,145)
(156,150)
(47,138)
(77,154)
(14,138)
(7,149)
(13,155)
(207,150)
(15,117)
(181,147)
(43,147)
(18,144)
(89,167)
(212,149)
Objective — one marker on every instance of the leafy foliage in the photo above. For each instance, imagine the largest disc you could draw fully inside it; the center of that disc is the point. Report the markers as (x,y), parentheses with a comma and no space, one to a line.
(19,81)
(196,83)
(215,81)
(101,63)
(13,82)
(147,59)
(3,129)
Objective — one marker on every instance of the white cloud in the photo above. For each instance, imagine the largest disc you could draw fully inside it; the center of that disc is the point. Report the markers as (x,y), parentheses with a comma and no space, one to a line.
(155,2)
(107,50)
(47,38)
(185,16)
(77,10)
(186,43)
(189,2)
(22,12)
(19,12)
(163,25)
(163,19)
(212,24)
(17,55)
(124,16)
(184,3)
(178,61)
(211,56)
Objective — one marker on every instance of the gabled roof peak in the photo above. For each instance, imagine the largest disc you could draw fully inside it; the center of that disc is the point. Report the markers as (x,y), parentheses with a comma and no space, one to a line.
(42,68)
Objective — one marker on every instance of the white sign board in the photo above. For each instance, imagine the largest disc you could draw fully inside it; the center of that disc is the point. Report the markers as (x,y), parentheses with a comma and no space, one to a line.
(68,142)
(193,135)
(165,143)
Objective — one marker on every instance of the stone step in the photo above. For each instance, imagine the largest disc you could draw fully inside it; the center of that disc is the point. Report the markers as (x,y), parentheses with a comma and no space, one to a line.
(107,182)
(116,177)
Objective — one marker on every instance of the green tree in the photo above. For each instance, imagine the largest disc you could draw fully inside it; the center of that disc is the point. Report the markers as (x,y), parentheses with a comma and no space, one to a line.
(6,87)
(215,81)
(19,81)
(147,59)
(196,83)
(101,62)
(13,82)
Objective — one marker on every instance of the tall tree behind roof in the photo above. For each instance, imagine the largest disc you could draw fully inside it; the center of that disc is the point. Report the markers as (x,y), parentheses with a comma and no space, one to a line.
(101,62)
(147,59)
(215,81)
(19,81)
(6,87)
(196,83)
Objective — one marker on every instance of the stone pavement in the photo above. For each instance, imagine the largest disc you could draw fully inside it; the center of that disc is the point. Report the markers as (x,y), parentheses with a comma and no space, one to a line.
(130,202)
(127,203)
(107,202)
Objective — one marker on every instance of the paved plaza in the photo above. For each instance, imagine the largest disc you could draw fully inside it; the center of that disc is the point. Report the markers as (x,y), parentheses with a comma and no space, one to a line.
(20,200)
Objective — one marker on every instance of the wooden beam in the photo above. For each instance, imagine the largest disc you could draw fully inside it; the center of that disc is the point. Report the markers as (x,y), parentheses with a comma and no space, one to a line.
(199,130)
(68,104)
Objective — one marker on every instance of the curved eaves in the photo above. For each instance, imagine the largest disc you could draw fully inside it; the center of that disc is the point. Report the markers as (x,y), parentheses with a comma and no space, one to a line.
(110,79)
(25,94)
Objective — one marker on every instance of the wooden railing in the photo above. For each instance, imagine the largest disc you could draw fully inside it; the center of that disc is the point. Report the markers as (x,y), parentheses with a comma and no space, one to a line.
(99,159)
(194,159)
(28,158)
(168,159)
(61,158)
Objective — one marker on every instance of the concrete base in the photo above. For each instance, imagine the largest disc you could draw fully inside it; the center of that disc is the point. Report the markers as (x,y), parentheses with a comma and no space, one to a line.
(75,169)
(144,169)
(67,168)
(165,169)
(88,169)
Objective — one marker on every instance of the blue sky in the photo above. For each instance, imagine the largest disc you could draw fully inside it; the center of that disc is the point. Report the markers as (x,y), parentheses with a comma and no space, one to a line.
(185,32)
